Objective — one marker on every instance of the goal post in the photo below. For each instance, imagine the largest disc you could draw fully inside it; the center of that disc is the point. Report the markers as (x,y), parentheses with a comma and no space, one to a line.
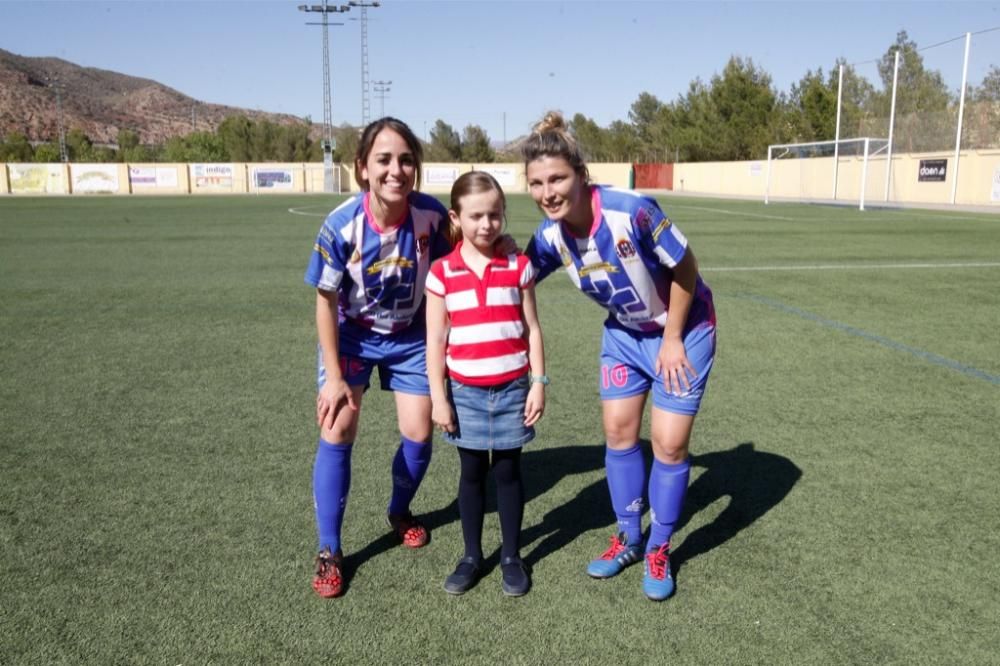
(810,171)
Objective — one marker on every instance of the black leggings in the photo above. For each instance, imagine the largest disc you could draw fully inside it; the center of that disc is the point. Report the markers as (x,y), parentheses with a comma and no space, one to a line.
(472,498)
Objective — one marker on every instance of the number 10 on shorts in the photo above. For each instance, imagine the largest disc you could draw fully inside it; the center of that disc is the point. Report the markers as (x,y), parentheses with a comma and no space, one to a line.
(616,375)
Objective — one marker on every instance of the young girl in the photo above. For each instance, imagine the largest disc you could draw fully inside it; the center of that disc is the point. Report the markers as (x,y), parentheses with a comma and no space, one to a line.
(482,326)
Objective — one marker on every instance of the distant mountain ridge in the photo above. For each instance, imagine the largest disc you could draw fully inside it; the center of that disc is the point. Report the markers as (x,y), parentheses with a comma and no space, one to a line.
(100,103)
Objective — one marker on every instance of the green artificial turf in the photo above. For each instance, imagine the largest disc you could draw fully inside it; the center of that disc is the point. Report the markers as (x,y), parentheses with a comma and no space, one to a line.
(157,404)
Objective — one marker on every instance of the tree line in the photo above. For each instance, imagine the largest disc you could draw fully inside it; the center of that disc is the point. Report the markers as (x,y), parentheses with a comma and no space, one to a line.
(735,115)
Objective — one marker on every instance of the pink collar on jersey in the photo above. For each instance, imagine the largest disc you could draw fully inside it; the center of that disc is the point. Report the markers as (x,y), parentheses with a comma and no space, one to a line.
(595,207)
(370,219)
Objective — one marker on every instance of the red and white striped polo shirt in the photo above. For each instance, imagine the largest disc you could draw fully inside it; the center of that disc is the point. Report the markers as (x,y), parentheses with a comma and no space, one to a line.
(486,342)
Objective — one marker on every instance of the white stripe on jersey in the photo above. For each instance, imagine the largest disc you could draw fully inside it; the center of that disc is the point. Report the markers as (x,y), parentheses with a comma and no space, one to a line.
(678,235)
(503,296)
(461,300)
(467,335)
(433,285)
(330,278)
(485,367)
(664,258)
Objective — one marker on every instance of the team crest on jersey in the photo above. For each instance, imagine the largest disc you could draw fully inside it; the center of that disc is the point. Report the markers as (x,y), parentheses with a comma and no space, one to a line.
(624,249)
(422,243)
(644,219)
(356,257)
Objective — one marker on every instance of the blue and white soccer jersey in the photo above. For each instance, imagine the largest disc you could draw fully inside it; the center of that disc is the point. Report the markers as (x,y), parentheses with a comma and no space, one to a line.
(379,279)
(625,265)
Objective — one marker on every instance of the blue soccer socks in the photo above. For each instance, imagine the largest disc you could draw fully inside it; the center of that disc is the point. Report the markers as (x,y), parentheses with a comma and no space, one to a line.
(408,469)
(331,484)
(626,472)
(667,488)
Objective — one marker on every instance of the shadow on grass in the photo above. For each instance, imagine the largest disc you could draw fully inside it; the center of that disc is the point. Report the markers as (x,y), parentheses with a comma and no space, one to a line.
(754,481)
(541,470)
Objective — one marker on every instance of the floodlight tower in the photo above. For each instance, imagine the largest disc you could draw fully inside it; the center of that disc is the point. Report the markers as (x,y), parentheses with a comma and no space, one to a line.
(381,88)
(365,104)
(56,85)
(328,143)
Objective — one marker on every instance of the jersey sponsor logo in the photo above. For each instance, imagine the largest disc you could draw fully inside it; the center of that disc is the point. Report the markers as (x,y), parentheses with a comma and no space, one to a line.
(624,249)
(326,234)
(402,262)
(660,228)
(600,266)
(621,299)
(422,243)
(322,250)
(394,295)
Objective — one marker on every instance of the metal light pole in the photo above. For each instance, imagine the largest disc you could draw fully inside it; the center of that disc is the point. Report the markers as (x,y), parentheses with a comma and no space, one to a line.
(365,104)
(328,142)
(57,87)
(381,88)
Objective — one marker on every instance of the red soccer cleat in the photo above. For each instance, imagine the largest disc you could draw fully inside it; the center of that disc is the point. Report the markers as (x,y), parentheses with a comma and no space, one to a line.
(410,531)
(329,581)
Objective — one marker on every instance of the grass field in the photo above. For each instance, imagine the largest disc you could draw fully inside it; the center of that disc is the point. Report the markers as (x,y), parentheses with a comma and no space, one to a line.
(157,444)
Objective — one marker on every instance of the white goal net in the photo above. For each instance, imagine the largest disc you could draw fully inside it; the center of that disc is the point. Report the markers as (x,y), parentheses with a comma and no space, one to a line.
(849,171)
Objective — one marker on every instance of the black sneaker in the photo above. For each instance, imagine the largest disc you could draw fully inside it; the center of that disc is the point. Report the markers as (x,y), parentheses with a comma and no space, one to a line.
(465,576)
(516,580)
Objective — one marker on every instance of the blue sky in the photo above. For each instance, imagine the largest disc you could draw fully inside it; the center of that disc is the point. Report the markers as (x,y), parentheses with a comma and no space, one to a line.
(499,65)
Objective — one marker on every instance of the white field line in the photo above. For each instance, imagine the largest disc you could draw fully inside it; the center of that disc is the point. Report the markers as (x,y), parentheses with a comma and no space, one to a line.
(671,206)
(848,267)
(900,211)
(944,216)
(302,211)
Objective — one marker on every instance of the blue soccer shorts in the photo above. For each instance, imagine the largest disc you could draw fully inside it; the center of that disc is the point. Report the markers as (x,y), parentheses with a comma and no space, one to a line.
(400,358)
(628,367)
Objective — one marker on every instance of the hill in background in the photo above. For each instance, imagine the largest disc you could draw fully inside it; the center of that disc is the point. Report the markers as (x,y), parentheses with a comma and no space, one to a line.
(101,102)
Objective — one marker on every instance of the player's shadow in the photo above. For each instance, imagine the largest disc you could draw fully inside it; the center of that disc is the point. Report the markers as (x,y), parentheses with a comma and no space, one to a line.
(753,481)
(541,470)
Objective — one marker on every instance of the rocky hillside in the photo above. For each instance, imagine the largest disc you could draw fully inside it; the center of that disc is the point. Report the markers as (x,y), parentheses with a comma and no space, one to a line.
(100,103)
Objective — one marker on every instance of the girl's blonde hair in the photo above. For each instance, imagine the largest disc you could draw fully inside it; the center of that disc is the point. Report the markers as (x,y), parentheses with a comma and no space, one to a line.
(551,138)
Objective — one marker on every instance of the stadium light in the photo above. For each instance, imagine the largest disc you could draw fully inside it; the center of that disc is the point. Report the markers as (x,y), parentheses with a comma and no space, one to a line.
(328,142)
(381,88)
(365,102)
(56,85)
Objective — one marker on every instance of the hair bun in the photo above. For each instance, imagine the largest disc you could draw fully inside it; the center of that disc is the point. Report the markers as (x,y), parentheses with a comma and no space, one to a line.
(553,121)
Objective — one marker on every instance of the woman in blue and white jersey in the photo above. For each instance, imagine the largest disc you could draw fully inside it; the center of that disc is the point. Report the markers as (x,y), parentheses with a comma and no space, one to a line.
(368,266)
(619,249)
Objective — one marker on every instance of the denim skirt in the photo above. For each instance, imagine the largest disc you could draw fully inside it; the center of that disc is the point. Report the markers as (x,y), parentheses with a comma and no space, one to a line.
(490,417)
